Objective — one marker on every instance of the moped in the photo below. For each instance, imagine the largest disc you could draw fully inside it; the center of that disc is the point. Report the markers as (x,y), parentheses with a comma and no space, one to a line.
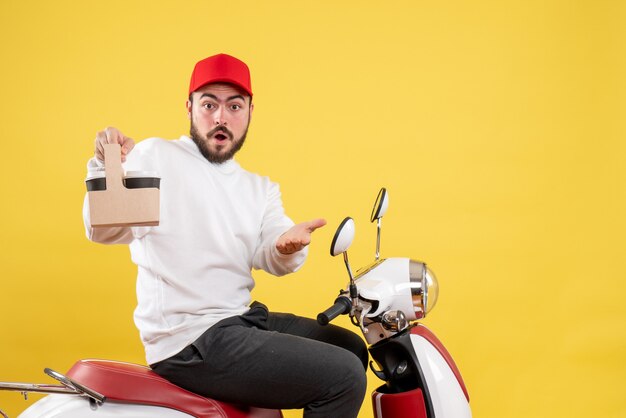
(385,299)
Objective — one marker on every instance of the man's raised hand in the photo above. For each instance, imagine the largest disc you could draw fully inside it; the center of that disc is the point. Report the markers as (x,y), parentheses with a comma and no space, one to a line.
(298,236)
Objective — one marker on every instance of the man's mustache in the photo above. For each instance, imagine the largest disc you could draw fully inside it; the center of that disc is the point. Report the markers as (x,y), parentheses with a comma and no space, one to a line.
(221,129)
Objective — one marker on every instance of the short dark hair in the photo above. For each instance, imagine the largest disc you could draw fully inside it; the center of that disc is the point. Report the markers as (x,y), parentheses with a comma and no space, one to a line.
(246,95)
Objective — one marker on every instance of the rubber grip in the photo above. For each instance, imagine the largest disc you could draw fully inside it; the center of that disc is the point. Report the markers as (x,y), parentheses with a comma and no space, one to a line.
(341,307)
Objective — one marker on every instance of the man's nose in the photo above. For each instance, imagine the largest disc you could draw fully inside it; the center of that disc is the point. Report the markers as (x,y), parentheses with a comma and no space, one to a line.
(219,116)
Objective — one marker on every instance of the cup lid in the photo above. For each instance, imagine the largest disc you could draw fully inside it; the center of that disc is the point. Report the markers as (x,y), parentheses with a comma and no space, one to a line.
(141,174)
(95,173)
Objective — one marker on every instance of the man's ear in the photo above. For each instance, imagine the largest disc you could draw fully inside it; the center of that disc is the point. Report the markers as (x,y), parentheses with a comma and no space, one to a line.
(251,108)
(188,105)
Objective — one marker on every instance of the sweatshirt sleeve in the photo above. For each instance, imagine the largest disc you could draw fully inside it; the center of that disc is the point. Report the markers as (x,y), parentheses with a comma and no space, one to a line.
(274,224)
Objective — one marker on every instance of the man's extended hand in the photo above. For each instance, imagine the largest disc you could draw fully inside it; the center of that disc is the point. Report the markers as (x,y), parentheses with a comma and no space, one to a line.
(298,236)
(112,136)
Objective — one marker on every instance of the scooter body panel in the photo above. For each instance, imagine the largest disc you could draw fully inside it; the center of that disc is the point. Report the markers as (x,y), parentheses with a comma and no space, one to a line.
(73,406)
(445,391)
(70,406)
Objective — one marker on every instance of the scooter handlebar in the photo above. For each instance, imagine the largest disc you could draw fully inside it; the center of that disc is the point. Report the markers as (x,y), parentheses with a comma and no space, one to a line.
(341,307)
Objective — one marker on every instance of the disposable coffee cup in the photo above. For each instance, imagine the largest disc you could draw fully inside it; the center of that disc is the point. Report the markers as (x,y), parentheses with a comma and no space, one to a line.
(96,179)
(142,179)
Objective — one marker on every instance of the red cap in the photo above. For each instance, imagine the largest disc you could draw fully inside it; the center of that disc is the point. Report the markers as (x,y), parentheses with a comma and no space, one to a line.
(221,68)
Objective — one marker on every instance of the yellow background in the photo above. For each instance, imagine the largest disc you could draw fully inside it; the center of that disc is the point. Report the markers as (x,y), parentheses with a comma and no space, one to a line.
(497,127)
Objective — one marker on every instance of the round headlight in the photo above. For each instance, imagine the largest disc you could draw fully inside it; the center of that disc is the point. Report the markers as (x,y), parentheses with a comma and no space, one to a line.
(424,288)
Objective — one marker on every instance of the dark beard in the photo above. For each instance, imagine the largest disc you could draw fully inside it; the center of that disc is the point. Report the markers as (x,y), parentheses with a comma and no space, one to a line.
(207,153)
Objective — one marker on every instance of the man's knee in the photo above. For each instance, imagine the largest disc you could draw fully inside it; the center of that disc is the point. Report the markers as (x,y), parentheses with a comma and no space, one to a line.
(350,387)
(351,375)
(356,345)
(362,353)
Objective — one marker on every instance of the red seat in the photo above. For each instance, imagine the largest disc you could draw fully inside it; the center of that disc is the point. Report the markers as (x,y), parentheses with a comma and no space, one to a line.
(132,383)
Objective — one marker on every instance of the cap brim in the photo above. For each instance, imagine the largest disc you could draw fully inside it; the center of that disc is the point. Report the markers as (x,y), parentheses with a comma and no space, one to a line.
(227,81)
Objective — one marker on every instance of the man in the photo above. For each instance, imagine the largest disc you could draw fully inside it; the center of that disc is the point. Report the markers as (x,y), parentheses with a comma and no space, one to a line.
(218,222)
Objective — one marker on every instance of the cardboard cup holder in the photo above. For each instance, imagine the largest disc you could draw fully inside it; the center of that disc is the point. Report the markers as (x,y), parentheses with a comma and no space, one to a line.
(116,199)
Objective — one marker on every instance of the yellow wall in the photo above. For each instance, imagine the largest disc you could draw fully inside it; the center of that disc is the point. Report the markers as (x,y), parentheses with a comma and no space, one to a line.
(497,127)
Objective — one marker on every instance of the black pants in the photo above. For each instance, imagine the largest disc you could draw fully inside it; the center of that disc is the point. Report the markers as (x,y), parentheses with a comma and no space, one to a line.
(277,361)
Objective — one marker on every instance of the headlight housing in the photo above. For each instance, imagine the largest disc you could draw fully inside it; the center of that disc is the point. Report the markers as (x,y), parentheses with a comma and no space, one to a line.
(424,288)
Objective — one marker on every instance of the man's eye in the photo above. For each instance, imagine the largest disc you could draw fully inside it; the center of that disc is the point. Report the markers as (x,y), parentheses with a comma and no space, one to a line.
(235,107)
(208,106)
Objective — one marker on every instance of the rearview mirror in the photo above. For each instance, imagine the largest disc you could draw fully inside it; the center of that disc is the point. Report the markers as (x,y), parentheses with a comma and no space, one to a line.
(381,205)
(343,237)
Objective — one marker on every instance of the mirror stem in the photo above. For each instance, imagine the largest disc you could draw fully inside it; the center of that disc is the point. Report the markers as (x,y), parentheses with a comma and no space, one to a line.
(347,263)
(379,220)
(354,294)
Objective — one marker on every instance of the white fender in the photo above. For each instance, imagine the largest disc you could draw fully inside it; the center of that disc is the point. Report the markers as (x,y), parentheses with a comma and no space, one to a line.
(447,396)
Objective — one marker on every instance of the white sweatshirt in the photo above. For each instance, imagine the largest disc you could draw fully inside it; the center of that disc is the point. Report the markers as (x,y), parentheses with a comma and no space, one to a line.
(217,222)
